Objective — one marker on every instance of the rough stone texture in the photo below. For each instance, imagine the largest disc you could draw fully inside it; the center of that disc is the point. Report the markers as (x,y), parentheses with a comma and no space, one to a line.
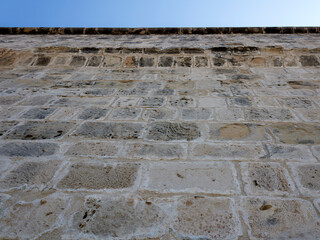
(279,218)
(87,176)
(160,136)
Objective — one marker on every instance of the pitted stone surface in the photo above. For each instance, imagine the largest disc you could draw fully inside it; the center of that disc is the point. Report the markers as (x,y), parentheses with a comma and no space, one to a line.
(88,176)
(279,218)
(159,136)
(167,131)
(40,130)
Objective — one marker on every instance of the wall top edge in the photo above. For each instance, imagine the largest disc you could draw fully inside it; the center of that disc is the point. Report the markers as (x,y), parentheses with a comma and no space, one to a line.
(159,31)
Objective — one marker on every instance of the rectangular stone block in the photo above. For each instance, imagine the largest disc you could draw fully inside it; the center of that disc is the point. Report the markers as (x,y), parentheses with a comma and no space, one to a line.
(155,151)
(6,125)
(30,174)
(209,102)
(196,113)
(80,101)
(125,114)
(299,153)
(223,151)
(152,102)
(297,102)
(268,114)
(237,132)
(307,177)
(280,218)
(110,130)
(99,176)
(160,114)
(9,100)
(101,149)
(36,100)
(93,113)
(266,179)
(64,114)
(28,149)
(126,102)
(40,130)
(38,113)
(229,114)
(199,177)
(309,115)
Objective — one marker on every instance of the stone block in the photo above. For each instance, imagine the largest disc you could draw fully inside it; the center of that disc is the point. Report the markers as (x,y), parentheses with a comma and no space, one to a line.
(268,114)
(165,61)
(239,102)
(296,133)
(257,62)
(266,179)
(222,151)
(280,218)
(160,114)
(164,92)
(26,220)
(131,61)
(64,114)
(209,102)
(237,132)
(110,130)
(36,100)
(316,151)
(201,61)
(182,102)
(218,61)
(119,217)
(125,113)
(38,113)
(229,114)
(101,149)
(309,61)
(28,149)
(93,113)
(98,176)
(9,100)
(196,113)
(42,61)
(155,151)
(146,62)
(307,177)
(81,101)
(98,92)
(40,130)
(149,85)
(309,115)
(77,61)
(199,177)
(168,131)
(125,102)
(94,61)
(297,102)
(202,217)
(112,61)
(152,102)
(183,62)
(289,152)
(6,125)
(30,174)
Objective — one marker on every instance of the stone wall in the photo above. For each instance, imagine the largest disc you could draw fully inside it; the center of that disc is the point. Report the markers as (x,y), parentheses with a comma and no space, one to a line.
(160,136)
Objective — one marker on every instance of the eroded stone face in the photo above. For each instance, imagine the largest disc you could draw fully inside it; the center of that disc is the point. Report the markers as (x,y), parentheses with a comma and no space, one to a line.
(281,218)
(40,130)
(196,114)
(103,149)
(268,114)
(88,176)
(167,131)
(38,113)
(296,133)
(237,132)
(205,217)
(93,113)
(31,174)
(110,130)
(308,177)
(28,149)
(6,125)
(266,178)
(119,217)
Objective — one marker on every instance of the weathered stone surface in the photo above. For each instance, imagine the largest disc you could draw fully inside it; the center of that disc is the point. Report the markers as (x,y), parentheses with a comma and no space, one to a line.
(289,152)
(164,92)
(77,61)
(79,101)
(110,130)
(94,61)
(181,102)
(9,100)
(196,113)
(237,132)
(40,130)
(218,177)
(155,151)
(37,113)
(201,61)
(231,114)
(6,125)
(125,113)
(30,174)
(297,102)
(131,61)
(268,114)
(160,114)
(279,218)
(309,61)
(93,113)
(307,177)
(132,216)
(42,61)
(316,151)
(25,220)
(152,102)
(209,102)
(64,114)
(206,218)
(146,62)
(183,62)
(125,102)
(165,61)
(112,61)
(266,178)
(167,131)
(309,115)
(28,149)
(222,151)
(103,149)
(296,133)
(36,100)
(88,176)
(239,102)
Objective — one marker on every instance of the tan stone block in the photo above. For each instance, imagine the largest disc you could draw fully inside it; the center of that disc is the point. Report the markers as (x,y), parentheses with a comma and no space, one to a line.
(112,61)
(217,177)
(280,218)
(257,62)
(206,217)
(102,149)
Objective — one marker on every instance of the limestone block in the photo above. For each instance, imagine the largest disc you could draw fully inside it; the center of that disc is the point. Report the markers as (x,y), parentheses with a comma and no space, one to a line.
(93,113)
(28,149)
(102,149)
(299,153)
(38,113)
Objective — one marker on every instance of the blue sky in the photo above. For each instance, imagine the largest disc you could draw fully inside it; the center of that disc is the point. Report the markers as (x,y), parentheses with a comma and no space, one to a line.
(160,13)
